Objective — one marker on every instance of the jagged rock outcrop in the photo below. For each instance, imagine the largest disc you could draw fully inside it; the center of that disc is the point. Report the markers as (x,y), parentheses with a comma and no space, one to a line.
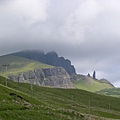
(54,77)
(50,58)
(94,75)
(88,75)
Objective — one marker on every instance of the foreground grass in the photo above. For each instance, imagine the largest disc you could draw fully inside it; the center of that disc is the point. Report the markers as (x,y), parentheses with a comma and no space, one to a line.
(54,104)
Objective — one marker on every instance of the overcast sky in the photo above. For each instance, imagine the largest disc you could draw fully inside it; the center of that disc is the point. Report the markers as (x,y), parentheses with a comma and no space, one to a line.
(85,31)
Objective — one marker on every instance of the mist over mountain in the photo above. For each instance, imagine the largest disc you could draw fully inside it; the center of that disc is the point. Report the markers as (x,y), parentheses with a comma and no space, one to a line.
(50,58)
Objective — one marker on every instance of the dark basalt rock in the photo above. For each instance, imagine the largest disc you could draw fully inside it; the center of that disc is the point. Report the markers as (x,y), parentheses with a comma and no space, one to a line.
(50,58)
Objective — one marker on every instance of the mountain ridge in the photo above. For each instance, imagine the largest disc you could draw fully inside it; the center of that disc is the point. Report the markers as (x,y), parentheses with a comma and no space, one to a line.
(25,70)
(21,68)
(50,58)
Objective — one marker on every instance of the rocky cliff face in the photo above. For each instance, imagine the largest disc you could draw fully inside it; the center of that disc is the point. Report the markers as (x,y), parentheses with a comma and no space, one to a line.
(55,77)
(50,58)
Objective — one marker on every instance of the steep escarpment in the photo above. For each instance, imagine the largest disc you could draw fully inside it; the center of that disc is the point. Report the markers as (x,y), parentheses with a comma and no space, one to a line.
(54,77)
(50,58)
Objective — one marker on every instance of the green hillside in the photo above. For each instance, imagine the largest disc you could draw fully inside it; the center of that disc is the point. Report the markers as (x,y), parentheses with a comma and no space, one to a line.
(115,92)
(45,103)
(89,84)
(18,64)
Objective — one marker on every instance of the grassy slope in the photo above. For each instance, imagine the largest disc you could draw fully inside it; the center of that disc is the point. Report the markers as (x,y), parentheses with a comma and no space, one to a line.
(115,92)
(54,104)
(89,84)
(18,64)
(15,105)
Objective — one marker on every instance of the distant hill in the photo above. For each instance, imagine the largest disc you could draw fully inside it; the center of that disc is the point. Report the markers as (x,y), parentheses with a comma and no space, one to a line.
(115,92)
(50,58)
(105,81)
(89,84)
(19,102)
